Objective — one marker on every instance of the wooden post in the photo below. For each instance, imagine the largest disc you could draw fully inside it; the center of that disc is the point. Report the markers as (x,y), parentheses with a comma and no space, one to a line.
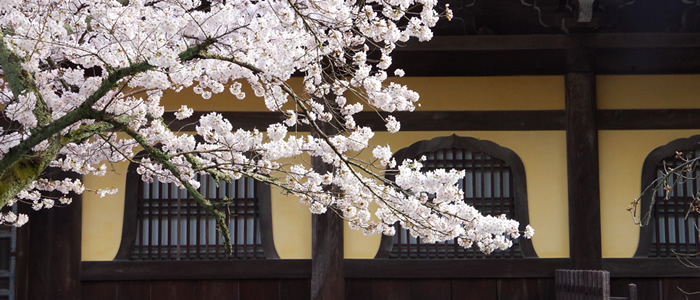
(54,252)
(582,162)
(327,271)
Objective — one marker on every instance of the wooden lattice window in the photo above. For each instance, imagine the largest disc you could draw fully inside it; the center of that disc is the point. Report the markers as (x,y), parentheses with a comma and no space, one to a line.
(671,229)
(494,184)
(163,223)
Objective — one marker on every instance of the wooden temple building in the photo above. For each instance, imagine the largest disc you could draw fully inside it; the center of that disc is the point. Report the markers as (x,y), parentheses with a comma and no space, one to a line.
(560,112)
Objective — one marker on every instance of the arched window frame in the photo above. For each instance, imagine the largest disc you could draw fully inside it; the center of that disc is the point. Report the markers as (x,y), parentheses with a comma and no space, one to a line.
(471,144)
(649,174)
(130,225)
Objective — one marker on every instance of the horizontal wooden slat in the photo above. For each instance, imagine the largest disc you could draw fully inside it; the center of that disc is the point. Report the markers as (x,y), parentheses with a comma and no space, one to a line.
(555,42)
(649,119)
(410,121)
(184,270)
(478,268)
(476,120)
(649,267)
(377,268)
(491,120)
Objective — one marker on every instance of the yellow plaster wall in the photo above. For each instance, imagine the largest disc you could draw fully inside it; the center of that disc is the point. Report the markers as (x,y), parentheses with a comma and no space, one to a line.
(437,93)
(545,164)
(648,91)
(545,168)
(543,153)
(622,153)
(103,217)
(291,226)
(223,101)
(488,93)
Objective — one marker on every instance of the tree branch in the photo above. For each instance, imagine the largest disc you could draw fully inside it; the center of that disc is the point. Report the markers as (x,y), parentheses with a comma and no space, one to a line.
(20,166)
(165,160)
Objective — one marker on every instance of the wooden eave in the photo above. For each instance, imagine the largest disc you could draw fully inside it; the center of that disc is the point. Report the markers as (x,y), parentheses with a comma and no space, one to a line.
(546,54)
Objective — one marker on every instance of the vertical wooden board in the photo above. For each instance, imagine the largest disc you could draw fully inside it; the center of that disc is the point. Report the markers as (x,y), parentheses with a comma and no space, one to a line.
(431,289)
(54,252)
(259,289)
(546,288)
(358,289)
(327,275)
(519,288)
(391,289)
(132,290)
(217,290)
(295,289)
(99,290)
(671,288)
(172,290)
(476,289)
(647,288)
(582,165)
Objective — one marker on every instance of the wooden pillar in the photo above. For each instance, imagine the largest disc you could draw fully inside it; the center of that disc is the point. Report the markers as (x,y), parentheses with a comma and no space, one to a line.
(582,162)
(54,252)
(327,271)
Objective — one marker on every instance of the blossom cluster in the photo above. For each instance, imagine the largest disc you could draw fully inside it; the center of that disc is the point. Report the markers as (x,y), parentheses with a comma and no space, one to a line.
(118,59)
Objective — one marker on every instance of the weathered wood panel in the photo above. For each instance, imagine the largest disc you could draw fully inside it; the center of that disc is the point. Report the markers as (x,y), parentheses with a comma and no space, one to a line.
(454,269)
(431,289)
(481,289)
(391,289)
(53,258)
(680,288)
(457,289)
(296,289)
(195,290)
(187,270)
(132,290)
(375,289)
(167,290)
(259,289)
(582,164)
(647,288)
(217,290)
(358,289)
(103,290)
(522,289)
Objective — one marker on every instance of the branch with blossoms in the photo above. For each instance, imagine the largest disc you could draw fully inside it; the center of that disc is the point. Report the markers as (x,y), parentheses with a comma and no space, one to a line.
(671,176)
(64,118)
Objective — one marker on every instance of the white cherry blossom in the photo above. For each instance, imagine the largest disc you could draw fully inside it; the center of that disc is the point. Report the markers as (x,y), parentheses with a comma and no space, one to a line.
(80,71)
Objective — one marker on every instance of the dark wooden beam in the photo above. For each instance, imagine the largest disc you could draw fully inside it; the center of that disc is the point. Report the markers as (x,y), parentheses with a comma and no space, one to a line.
(613,119)
(410,121)
(373,269)
(469,120)
(327,276)
(650,267)
(540,54)
(555,42)
(54,251)
(196,270)
(454,268)
(478,120)
(582,164)
(649,119)
(327,255)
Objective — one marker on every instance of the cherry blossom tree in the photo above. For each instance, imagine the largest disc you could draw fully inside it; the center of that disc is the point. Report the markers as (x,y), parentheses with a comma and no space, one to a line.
(83,82)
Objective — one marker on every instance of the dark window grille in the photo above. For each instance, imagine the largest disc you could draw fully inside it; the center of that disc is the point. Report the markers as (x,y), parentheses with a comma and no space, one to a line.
(673,232)
(172,226)
(487,185)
